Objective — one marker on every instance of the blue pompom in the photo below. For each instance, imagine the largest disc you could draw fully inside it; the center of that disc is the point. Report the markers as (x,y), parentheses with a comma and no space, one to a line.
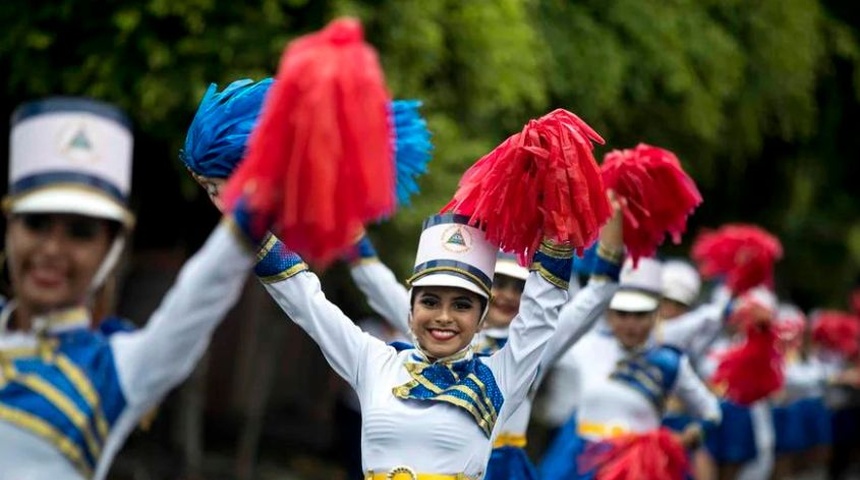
(216,140)
(217,137)
(412,147)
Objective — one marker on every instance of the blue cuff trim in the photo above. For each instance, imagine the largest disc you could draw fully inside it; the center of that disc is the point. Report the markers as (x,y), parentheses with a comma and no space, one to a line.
(275,262)
(604,267)
(361,250)
(553,267)
(243,218)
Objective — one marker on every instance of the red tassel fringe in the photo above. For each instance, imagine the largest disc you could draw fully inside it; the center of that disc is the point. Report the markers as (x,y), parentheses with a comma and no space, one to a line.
(837,331)
(657,455)
(542,182)
(744,254)
(320,161)
(754,369)
(660,196)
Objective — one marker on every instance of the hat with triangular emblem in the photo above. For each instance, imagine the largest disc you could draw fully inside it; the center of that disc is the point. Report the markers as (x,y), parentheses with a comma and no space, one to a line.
(70,155)
(452,253)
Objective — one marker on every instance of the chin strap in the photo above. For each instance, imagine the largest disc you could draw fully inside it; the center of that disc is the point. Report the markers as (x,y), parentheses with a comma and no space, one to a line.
(108,263)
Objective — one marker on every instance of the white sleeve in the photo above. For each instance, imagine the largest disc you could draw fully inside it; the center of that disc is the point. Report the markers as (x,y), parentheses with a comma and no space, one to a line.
(575,319)
(695,395)
(345,346)
(687,331)
(386,296)
(162,354)
(515,365)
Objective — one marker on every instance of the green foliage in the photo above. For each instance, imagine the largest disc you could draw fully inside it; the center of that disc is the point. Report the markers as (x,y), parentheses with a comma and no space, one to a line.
(752,96)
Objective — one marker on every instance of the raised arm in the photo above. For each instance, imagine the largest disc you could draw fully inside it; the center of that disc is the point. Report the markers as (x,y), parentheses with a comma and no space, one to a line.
(578,317)
(297,291)
(695,395)
(385,294)
(516,364)
(581,313)
(156,358)
(688,331)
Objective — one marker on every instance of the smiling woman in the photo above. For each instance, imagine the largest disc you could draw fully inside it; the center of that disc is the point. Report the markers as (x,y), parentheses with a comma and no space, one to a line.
(71,394)
(52,259)
(430,409)
(436,396)
(445,319)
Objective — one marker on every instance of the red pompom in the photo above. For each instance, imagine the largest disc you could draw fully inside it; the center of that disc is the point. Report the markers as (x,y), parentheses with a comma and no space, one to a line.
(660,196)
(320,161)
(754,369)
(837,331)
(744,254)
(656,454)
(540,183)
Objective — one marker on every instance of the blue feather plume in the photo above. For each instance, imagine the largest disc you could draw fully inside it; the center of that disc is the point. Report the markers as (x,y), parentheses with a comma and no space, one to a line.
(216,140)
(412,147)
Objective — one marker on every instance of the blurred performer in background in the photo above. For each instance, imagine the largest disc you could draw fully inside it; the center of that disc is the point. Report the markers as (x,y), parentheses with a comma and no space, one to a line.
(691,327)
(69,395)
(836,349)
(621,367)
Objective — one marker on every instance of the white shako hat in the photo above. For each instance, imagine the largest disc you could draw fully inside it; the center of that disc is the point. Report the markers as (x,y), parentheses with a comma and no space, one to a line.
(639,289)
(681,282)
(452,253)
(70,155)
(506,264)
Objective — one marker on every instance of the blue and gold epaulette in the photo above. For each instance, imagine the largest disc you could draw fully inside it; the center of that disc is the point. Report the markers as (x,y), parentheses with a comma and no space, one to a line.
(65,391)
(652,373)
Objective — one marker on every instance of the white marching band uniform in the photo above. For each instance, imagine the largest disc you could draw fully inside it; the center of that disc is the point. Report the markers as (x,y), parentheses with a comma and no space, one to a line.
(609,401)
(400,433)
(577,317)
(608,408)
(756,455)
(389,298)
(69,396)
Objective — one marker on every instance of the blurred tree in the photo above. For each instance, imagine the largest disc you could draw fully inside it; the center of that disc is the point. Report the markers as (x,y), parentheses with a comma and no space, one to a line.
(758,99)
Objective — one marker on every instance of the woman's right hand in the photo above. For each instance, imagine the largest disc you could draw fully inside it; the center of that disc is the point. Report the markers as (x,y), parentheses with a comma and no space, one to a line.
(612,234)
